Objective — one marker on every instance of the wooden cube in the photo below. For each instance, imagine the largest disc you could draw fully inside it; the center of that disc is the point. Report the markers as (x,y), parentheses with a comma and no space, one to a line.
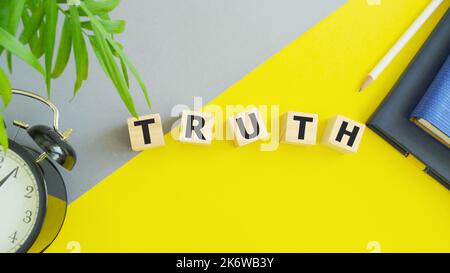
(196,127)
(343,134)
(145,132)
(299,128)
(247,127)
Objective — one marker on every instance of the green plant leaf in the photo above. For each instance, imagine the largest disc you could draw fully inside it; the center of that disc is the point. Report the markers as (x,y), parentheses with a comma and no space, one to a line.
(3,135)
(25,17)
(115,74)
(111,26)
(104,16)
(118,49)
(101,6)
(32,25)
(4,12)
(51,18)
(13,45)
(5,89)
(79,48)
(132,68)
(65,46)
(125,72)
(107,56)
(9,61)
(14,16)
(17,7)
(37,42)
(99,55)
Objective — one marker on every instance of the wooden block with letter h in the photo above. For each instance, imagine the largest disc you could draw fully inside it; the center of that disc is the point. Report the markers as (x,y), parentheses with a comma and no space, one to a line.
(196,127)
(299,128)
(145,132)
(343,134)
(247,127)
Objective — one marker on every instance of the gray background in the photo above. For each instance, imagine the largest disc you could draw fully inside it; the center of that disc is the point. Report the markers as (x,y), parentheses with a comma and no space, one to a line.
(183,49)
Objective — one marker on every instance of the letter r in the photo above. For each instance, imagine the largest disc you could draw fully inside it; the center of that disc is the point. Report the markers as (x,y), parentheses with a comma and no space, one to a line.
(200,123)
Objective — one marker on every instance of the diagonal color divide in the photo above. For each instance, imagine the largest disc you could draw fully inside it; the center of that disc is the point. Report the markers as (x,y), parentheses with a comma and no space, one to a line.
(183,49)
(221,199)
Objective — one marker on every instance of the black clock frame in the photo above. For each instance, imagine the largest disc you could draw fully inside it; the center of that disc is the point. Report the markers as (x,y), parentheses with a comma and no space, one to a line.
(43,166)
(42,188)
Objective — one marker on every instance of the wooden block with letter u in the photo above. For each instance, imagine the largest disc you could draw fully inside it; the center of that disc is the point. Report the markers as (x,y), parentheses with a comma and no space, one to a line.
(247,127)
(343,134)
(145,132)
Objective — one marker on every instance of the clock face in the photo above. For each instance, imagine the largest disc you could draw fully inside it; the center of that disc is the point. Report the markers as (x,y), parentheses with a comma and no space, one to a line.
(21,202)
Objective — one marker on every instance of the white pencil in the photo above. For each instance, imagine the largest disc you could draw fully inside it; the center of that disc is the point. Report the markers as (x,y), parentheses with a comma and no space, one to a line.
(395,50)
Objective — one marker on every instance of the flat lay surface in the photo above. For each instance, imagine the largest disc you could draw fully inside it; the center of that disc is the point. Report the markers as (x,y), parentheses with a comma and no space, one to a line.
(191,49)
(281,198)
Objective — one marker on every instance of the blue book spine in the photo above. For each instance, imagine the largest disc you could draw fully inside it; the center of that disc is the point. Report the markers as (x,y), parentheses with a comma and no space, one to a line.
(434,107)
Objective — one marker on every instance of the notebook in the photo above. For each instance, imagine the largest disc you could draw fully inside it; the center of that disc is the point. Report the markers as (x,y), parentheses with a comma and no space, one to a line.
(432,114)
(391,119)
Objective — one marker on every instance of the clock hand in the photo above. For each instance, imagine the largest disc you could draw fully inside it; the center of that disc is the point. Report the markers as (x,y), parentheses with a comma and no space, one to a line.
(6,177)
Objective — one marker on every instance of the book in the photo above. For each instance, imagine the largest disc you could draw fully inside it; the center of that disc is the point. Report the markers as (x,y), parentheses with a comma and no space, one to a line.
(432,114)
(391,119)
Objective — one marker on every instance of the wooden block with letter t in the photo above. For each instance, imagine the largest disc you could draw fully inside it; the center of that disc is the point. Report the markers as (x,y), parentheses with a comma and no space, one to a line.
(343,134)
(247,127)
(299,128)
(196,127)
(145,132)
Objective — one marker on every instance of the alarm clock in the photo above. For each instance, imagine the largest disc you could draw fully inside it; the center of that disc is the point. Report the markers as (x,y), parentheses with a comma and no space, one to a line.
(29,215)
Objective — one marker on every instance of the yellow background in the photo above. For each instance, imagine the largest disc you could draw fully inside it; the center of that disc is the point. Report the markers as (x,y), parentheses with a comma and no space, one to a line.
(220,198)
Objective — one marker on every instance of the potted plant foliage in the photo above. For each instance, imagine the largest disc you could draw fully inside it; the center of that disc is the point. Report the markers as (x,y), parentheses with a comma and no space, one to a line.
(28,32)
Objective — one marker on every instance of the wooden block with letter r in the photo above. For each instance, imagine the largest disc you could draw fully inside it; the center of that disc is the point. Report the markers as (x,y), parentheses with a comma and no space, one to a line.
(343,134)
(196,127)
(299,128)
(145,132)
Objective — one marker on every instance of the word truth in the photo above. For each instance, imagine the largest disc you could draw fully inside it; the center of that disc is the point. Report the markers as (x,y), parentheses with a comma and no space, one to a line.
(341,133)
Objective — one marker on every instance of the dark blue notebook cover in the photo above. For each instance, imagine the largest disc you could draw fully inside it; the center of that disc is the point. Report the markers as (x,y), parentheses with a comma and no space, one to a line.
(434,107)
(391,119)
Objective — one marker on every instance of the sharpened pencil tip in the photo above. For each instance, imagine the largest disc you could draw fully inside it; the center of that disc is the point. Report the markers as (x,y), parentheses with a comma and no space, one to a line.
(366,83)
